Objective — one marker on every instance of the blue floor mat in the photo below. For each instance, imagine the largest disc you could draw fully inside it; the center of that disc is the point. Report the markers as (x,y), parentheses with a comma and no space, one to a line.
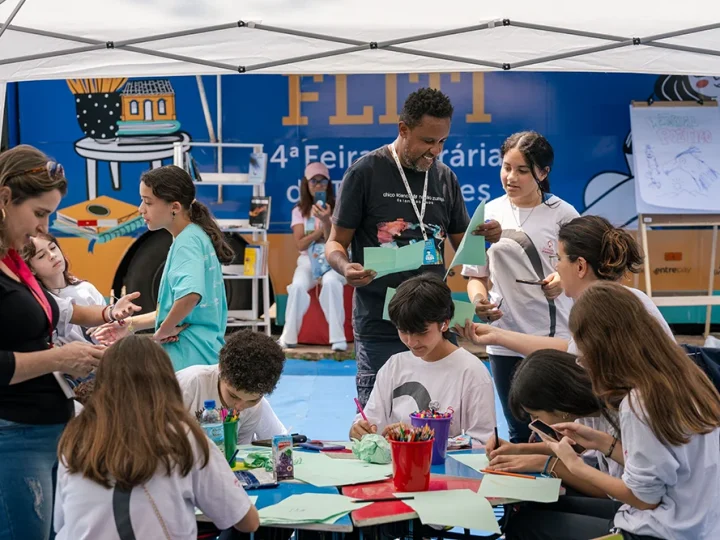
(316,399)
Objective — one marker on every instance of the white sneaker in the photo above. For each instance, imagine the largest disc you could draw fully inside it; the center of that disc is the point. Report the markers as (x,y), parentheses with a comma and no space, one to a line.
(339,346)
(284,345)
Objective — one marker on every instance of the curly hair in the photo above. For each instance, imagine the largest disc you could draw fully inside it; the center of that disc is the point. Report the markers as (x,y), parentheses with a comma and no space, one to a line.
(426,101)
(251,362)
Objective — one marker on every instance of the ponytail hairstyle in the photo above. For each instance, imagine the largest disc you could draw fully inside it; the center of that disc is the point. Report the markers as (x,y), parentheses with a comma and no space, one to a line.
(611,252)
(537,152)
(173,184)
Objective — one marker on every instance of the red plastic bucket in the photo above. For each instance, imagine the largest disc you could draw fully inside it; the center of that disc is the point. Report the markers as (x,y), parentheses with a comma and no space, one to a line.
(411,465)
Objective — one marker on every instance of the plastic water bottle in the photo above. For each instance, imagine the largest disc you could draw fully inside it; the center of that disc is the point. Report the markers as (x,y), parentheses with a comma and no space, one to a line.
(212,423)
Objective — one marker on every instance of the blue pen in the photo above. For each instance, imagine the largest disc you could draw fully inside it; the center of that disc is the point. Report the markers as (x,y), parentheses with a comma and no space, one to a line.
(233,456)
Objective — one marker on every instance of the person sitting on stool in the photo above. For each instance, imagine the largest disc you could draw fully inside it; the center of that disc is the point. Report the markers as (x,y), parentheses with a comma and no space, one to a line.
(311,227)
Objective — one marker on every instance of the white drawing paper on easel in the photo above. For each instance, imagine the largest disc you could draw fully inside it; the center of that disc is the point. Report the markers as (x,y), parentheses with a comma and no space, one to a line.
(677,162)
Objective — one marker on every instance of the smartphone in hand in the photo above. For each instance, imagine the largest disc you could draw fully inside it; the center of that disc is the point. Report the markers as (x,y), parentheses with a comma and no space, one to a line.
(540,427)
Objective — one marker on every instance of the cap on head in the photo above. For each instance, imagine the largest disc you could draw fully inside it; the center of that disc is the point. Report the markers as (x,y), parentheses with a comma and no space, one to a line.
(316,168)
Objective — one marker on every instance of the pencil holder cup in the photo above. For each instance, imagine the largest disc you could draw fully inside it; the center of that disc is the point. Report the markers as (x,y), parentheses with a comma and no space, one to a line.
(230,431)
(411,465)
(441,426)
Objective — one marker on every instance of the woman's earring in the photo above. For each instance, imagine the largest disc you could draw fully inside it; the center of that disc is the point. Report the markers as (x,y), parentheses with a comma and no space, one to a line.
(173,214)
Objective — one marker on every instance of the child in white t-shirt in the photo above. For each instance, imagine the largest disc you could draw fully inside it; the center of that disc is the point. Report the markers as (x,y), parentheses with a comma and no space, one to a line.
(51,268)
(135,464)
(249,368)
(432,370)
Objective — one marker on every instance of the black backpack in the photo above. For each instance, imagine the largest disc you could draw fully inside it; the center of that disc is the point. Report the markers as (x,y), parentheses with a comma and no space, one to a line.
(708,359)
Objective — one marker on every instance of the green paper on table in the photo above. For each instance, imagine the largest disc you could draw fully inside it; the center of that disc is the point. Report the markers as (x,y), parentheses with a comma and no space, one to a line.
(474,461)
(253,500)
(386,261)
(542,490)
(472,248)
(323,471)
(453,508)
(308,508)
(463,310)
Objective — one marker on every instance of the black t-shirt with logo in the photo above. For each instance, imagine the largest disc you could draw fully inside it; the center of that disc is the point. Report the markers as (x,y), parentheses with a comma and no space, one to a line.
(375,203)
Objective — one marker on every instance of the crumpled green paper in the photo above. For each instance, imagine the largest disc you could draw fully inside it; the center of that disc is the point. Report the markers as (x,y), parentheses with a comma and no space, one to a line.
(259,460)
(372,448)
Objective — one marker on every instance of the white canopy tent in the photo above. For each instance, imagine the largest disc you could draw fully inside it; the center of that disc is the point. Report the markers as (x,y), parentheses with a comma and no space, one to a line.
(56,39)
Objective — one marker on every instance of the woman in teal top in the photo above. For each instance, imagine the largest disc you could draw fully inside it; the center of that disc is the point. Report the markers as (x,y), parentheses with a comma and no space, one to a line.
(191,314)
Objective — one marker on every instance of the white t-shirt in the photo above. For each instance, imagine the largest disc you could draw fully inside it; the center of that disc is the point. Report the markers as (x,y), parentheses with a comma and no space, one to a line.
(606,465)
(685,480)
(85,510)
(652,310)
(528,251)
(298,219)
(406,384)
(199,383)
(83,293)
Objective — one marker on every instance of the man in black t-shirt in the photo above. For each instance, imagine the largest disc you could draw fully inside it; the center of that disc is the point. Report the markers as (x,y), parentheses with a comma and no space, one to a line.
(375,210)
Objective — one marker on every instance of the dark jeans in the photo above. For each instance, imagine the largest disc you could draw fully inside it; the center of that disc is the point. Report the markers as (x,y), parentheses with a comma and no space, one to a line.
(503,368)
(571,518)
(370,356)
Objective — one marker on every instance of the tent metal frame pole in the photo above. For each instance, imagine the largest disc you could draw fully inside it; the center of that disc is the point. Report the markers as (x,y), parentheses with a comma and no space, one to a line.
(355,45)
(11,17)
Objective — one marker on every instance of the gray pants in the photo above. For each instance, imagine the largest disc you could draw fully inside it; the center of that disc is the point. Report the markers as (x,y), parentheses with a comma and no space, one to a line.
(370,356)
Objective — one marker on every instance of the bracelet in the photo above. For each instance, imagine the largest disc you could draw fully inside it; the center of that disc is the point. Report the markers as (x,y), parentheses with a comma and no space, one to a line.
(552,468)
(544,471)
(104,315)
(110,313)
(612,447)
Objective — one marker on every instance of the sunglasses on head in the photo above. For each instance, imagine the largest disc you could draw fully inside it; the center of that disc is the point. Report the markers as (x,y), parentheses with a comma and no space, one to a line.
(53,169)
(322,181)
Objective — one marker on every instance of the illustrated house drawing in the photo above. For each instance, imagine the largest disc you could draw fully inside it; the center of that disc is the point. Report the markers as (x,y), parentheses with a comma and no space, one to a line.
(148,100)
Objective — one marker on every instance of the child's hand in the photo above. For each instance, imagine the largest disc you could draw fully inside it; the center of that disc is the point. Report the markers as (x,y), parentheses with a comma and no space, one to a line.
(502,447)
(362,428)
(109,333)
(518,463)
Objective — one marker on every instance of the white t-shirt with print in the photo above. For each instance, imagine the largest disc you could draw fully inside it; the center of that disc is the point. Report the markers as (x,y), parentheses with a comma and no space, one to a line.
(527,250)
(200,382)
(652,310)
(85,510)
(406,384)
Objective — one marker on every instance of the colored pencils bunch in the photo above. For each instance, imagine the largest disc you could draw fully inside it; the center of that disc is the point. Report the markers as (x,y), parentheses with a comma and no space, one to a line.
(93,86)
(230,415)
(403,433)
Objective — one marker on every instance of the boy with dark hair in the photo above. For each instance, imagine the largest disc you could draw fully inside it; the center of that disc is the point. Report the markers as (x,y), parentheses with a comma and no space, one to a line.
(434,369)
(395,195)
(249,368)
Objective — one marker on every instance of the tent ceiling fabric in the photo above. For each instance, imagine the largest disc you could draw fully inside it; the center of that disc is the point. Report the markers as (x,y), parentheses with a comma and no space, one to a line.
(56,39)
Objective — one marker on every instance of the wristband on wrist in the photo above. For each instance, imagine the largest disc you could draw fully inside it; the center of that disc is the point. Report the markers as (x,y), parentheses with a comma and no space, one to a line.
(612,447)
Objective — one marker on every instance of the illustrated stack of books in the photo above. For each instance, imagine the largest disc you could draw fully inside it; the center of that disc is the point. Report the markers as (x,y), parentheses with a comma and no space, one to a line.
(100,219)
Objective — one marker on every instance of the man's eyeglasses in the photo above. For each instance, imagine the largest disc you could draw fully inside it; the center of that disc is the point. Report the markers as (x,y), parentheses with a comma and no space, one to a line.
(322,181)
(54,170)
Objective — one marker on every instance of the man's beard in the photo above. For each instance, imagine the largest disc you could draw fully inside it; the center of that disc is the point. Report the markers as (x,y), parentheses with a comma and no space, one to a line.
(419,164)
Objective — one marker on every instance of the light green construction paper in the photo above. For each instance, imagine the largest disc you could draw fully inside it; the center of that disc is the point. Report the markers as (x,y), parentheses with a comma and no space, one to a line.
(389,293)
(309,508)
(454,508)
(472,248)
(463,311)
(323,471)
(542,490)
(474,461)
(253,499)
(386,261)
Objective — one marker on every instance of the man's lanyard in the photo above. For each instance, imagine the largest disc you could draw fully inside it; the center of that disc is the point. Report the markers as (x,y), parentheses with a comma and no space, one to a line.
(421,214)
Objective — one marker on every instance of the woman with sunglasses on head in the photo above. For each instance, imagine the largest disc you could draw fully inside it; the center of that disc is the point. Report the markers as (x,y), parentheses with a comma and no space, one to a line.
(311,227)
(590,249)
(33,407)
(530,216)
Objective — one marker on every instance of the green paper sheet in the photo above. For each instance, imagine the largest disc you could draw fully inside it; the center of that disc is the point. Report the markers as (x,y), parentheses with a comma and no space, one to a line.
(474,461)
(454,508)
(386,261)
(543,490)
(463,310)
(323,471)
(308,508)
(472,248)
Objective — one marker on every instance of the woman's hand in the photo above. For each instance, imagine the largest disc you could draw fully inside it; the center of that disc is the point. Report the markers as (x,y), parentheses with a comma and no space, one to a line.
(124,307)
(590,438)
(564,451)
(504,448)
(109,333)
(479,334)
(518,463)
(323,213)
(164,335)
(491,230)
(78,358)
(552,286)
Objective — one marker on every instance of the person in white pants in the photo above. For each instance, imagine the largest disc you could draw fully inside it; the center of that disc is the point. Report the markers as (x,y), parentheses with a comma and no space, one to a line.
(311,227)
